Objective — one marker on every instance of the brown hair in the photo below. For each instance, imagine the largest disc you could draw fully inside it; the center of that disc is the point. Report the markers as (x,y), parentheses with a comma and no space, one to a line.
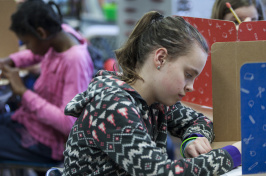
(219,9)
(151,32)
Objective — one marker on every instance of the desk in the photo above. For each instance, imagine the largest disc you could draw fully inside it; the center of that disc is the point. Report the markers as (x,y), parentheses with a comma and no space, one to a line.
(238,172)
(235,172)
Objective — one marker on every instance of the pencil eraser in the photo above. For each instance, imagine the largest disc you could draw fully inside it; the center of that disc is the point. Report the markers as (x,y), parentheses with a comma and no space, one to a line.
(228,5)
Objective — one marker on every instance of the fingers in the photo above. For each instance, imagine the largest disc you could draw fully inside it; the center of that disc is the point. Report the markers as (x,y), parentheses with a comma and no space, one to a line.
(6,61)
(196,149)
(208,144)
(248,19)
(6,71)
(200,146)
(9,70)
(245,20)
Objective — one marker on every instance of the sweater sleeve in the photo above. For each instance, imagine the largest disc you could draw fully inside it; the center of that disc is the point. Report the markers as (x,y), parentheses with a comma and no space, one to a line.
(184,122)
(25,58)
(119,131)
(235,154)
(76,77)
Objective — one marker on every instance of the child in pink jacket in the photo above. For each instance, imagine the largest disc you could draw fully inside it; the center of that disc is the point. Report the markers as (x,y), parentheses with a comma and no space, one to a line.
(37,131)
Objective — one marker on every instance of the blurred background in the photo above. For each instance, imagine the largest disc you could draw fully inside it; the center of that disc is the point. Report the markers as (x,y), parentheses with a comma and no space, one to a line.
(105,23)
(108,23)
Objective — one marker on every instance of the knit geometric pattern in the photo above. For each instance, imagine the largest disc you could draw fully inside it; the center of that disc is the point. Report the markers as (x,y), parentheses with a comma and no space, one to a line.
(117,133)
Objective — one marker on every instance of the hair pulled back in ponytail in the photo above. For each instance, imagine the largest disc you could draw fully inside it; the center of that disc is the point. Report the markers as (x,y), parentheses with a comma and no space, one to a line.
(151,32)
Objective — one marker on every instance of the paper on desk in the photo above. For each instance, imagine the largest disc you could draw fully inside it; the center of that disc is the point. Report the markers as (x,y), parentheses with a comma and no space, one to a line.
(235,172)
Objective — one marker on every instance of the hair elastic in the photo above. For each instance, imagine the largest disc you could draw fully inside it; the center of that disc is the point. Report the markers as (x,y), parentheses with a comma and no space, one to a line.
(157,17)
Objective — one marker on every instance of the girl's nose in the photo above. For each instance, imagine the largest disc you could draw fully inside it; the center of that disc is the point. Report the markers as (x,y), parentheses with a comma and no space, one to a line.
(189,88)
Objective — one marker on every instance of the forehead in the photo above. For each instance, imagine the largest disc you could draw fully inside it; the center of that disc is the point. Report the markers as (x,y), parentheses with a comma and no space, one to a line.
(243,13)
(247,11)
(195,59)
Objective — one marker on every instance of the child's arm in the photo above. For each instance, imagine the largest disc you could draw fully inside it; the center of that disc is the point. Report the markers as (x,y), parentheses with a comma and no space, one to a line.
(184,122)
(25,58)
(60,87)
(121,134)
(191,126)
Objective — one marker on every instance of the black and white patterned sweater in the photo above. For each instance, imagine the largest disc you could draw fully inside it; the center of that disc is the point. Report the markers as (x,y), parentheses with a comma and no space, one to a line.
(116,133)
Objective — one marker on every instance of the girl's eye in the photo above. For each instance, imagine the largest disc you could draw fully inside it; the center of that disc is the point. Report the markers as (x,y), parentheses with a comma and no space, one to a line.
(188,75)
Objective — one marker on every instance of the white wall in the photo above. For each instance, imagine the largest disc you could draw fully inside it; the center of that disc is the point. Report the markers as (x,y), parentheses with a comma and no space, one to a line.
(198,8)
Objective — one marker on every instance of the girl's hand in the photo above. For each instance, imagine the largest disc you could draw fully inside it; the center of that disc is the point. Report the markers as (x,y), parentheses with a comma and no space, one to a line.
(246,19)
(197,147)
(12,74)
(6,61)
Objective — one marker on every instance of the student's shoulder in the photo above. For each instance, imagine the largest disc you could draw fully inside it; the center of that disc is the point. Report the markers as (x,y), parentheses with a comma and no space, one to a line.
(76,56)
(115,94)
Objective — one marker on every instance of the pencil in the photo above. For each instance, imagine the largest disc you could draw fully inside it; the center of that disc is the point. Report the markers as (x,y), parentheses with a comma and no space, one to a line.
(233,12)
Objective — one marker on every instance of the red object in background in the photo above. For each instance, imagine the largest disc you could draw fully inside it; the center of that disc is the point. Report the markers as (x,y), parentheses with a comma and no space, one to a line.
(219,31)
(110,64)
(252,31)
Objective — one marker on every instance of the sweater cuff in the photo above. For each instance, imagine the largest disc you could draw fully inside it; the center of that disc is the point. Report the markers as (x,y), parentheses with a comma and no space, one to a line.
(194,135)
(234,153)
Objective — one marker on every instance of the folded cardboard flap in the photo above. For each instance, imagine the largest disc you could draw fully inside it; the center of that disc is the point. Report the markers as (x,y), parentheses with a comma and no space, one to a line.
(227,59)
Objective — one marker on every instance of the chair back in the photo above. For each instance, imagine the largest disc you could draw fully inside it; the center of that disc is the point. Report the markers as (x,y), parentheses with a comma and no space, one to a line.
(54,172)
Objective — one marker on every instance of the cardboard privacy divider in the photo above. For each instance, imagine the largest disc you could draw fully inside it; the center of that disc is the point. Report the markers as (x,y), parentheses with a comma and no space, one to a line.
(8,42)
(253,121)
(222,71)
(227,59)
(213,31)
(219,31)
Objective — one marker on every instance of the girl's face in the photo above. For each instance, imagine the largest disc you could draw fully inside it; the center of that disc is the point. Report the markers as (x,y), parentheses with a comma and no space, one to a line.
(243,13)
(37,46)
(177,76)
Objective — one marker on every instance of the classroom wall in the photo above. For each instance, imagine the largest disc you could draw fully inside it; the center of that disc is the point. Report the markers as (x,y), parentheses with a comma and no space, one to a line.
(195,8)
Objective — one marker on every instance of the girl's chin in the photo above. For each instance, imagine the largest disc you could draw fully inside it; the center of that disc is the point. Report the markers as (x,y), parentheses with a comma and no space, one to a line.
(171,103)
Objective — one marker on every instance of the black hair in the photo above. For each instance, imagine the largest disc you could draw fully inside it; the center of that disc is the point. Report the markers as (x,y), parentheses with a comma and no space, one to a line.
(32,14)
(151,32)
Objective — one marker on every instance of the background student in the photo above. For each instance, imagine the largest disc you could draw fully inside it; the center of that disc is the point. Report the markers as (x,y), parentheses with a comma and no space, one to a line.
(37,131)
(246,10)
(123,117)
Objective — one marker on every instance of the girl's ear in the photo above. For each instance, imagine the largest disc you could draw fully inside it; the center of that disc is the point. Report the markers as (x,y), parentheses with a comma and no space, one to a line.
(160,57)
(42,33)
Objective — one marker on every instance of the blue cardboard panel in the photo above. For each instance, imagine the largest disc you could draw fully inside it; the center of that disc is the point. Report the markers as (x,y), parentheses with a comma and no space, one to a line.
(253,117)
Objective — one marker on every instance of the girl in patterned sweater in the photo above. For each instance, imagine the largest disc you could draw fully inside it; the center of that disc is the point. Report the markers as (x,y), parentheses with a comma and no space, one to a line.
(123,118)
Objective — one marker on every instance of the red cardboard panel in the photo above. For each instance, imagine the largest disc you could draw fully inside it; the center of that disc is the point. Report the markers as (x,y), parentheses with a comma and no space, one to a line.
(252,31)
(213,31)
